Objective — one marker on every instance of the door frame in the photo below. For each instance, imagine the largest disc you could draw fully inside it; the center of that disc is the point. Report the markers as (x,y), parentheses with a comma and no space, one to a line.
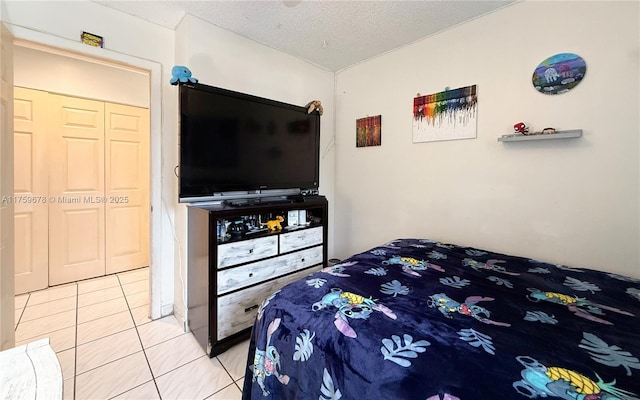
(7,259)
(156,273)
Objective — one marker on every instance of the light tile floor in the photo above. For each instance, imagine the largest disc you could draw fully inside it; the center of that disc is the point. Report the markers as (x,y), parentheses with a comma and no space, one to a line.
(108,347)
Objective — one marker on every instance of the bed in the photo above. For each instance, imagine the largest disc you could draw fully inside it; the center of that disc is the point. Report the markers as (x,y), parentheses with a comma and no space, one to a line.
(419,319)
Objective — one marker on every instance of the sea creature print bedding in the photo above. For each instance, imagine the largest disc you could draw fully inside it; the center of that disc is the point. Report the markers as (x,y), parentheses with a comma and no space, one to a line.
(417,319)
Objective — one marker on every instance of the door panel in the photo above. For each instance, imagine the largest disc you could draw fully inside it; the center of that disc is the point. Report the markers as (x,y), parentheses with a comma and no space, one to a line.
(82,226)
(31,190)
(76,187)
(127,187)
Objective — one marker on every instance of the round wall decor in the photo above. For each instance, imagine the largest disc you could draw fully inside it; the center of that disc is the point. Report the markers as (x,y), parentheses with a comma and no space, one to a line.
(559,73)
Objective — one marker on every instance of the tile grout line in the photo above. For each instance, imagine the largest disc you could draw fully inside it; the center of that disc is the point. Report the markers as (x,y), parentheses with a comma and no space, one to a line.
(112,334)
(233,381)
(75,350)
(43,316)
(20,317)
(153,378)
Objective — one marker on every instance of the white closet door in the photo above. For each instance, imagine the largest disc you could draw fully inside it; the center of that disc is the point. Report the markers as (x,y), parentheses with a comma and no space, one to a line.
(30,173)
(127,187)
(77,216)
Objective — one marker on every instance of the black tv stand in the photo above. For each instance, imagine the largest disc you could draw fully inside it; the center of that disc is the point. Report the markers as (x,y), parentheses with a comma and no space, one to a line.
(229,276)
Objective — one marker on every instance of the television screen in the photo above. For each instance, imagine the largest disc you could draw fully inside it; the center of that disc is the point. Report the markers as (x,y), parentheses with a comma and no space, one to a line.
(231,142)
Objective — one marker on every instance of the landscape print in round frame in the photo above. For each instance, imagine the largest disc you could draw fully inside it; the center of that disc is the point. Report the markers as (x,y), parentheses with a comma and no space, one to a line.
(559,73)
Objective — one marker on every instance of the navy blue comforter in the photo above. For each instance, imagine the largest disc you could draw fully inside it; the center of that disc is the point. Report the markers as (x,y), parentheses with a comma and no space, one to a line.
(419,319)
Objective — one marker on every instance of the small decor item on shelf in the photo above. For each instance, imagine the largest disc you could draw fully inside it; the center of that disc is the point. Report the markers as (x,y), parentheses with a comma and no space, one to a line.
(302,218)
(181,74)
(546,133)
(274,224)
(313,106)
(237,229)
(292,217)
(559,73)
(520,127)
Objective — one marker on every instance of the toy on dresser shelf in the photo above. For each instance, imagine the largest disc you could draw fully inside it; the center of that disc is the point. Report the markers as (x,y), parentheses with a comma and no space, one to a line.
(237,228)
(274,224)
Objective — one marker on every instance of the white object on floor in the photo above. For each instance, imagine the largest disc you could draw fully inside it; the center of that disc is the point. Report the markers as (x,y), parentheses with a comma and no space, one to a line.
(30,371)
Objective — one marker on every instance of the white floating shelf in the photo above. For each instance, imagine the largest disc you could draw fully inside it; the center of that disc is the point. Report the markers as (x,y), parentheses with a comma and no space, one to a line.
(518,137)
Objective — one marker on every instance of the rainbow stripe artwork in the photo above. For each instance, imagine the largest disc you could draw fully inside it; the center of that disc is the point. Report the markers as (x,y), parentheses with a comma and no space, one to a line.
(447,115)
(369,131)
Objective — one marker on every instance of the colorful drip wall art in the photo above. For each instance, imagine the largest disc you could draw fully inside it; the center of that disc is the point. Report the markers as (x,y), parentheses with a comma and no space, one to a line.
(559,73)
(447,115)
(369,131)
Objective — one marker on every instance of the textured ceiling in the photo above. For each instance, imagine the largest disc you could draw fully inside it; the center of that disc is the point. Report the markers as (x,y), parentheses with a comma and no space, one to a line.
(330,34)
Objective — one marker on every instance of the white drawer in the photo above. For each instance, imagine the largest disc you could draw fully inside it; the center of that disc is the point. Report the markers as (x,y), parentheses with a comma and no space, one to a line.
(298,239)
(251,274)
(237,311)
(247,250)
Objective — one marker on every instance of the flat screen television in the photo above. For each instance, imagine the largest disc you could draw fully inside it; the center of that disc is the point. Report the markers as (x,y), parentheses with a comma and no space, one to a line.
(232,142)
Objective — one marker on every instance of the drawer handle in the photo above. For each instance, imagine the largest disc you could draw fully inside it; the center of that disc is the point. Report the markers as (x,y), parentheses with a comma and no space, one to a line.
(253,307)
(302,260)
(250,274)
(250,251)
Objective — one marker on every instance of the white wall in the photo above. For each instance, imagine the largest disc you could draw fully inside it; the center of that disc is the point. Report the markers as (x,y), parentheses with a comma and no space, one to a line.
(142,44)
(573,201)
(220,58)
(66,73)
